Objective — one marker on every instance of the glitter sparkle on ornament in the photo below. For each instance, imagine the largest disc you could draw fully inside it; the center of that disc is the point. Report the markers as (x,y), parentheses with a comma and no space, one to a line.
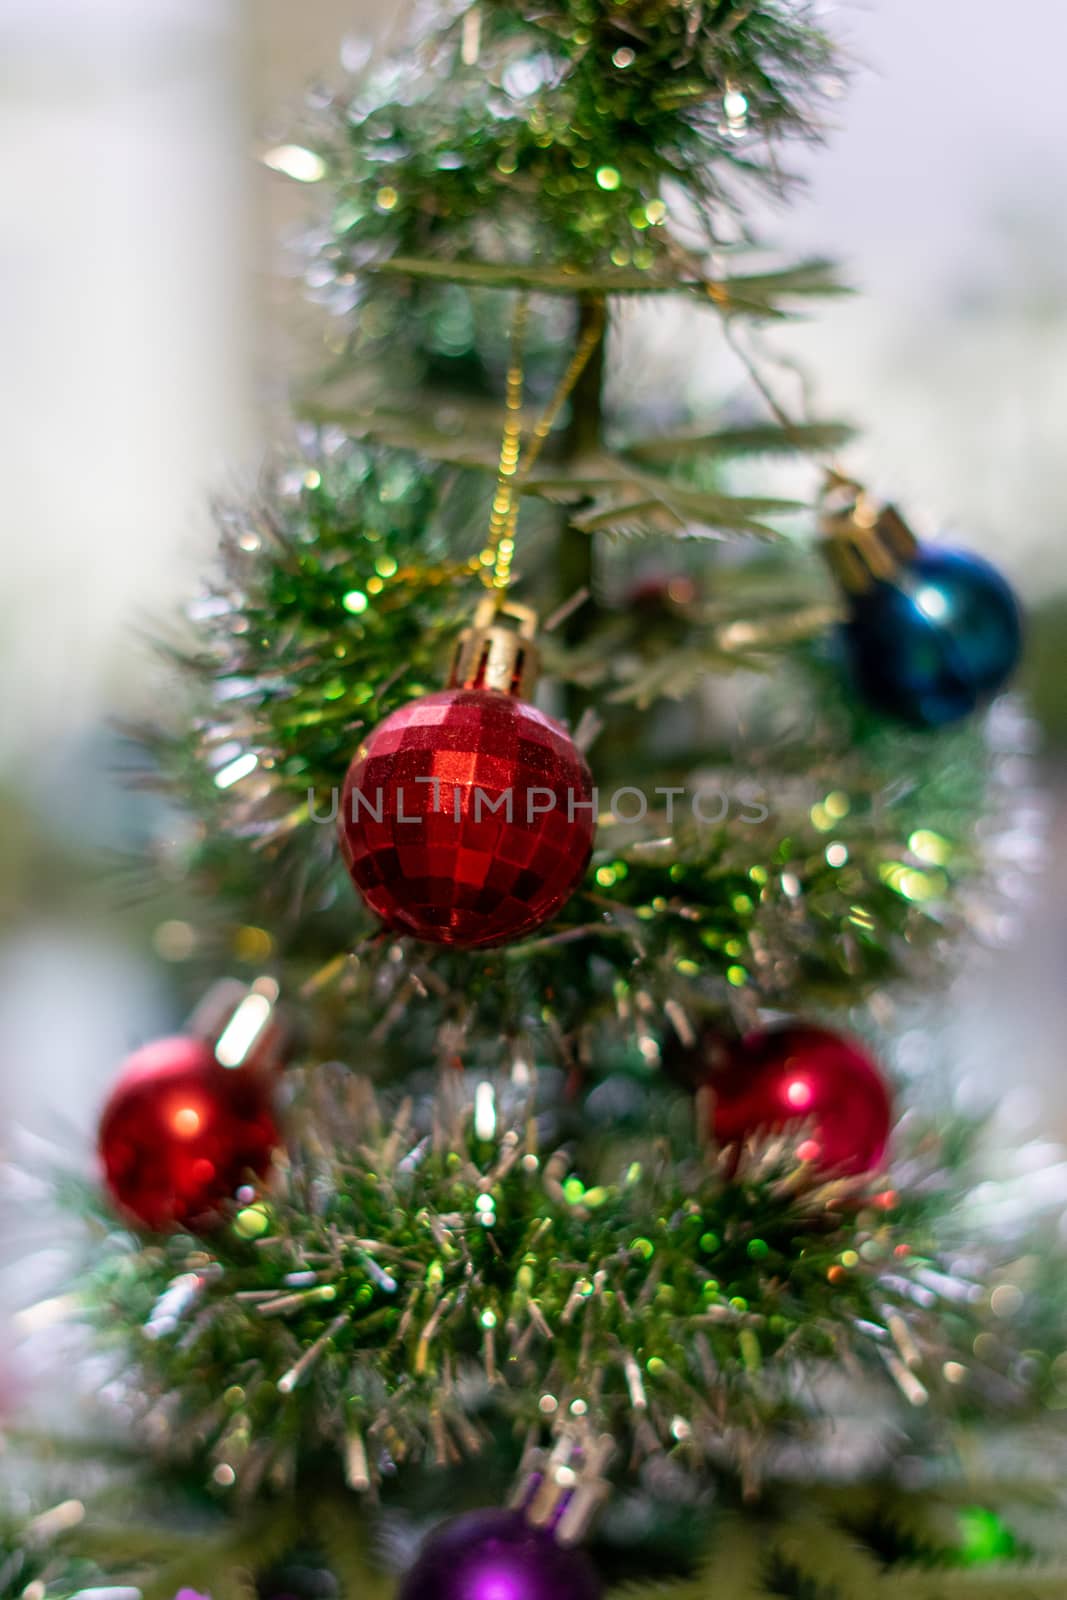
(467,818)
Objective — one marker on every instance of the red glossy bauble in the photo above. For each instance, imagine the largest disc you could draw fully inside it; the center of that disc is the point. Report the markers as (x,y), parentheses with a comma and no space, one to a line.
(815,1078)
(467,818)
(180,1134)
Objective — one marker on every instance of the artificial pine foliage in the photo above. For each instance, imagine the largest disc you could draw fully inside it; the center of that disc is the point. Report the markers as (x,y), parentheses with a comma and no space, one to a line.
(499,1258)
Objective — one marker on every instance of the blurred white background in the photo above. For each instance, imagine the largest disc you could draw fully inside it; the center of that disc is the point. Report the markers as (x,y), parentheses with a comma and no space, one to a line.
(137,321)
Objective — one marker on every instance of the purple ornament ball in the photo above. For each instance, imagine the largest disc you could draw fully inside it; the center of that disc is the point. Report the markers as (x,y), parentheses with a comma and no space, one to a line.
(497,1555)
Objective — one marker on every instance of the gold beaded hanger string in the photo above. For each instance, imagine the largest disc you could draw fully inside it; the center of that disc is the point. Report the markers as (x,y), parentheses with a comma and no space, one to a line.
(514,466)
(500,548)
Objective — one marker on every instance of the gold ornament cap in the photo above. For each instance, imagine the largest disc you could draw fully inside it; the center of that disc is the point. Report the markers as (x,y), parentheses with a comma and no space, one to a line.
(491,654)
(865,543)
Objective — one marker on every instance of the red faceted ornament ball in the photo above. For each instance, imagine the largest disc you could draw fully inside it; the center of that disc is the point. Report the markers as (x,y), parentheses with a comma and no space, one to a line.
(815,1078)
(467,818)
(180,1134)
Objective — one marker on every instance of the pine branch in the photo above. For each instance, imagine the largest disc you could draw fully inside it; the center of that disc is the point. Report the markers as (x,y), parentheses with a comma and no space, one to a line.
(521,275)
(1039,1523)
(575,558)
(341,1532)
(619,498)
(728,443)
(461,432)
(994,1487)
(657,1589)
(226,1567)
(625,499)
(616,495)
(46,1445)
(658,508)
(922,1523)
(759,295)
(1009,1582)
(121,1545)
(824,1553)
(735,1567)
(452,430)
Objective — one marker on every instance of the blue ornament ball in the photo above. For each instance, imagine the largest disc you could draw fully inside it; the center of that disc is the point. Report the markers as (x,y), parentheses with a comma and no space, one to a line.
(497,1555)
(936,642)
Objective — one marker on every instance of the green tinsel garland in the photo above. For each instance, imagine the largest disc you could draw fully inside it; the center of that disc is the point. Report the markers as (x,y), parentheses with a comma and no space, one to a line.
(412,1284)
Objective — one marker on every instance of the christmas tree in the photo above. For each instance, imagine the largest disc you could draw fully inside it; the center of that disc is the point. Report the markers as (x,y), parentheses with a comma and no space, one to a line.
(577,789)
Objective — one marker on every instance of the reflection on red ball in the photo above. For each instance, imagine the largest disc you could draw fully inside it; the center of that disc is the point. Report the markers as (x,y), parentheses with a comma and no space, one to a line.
(467,818)
(818,1079)
(180,1134)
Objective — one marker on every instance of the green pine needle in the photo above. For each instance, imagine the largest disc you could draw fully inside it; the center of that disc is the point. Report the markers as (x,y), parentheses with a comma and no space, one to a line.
(828,1555)
(342,1534)
(226,1566)
(737,1561)
(728,443)
(1010,1582)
